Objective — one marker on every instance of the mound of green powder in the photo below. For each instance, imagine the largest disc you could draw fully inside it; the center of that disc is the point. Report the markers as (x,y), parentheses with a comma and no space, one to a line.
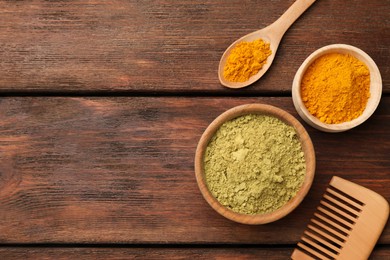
(254,164)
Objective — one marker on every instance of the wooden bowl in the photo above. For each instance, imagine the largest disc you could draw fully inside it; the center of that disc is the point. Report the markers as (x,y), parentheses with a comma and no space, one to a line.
(261,109)
(375,88)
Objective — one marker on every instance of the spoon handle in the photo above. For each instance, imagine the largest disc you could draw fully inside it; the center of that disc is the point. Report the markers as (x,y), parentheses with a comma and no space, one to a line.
(288,18)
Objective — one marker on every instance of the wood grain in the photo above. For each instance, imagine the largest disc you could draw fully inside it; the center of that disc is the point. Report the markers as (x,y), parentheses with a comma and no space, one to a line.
(158,253)
(169,46)
(120,170)
(151,253)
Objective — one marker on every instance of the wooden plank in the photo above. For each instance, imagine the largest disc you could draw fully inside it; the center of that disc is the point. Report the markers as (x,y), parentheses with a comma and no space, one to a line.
(168,46)
(158,253)
(144,253)
(120,170)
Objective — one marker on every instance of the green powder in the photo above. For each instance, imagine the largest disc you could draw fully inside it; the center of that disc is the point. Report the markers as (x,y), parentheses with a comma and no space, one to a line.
(254,164)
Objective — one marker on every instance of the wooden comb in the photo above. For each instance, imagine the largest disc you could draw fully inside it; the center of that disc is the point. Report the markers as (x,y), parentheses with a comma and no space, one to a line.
(346,225)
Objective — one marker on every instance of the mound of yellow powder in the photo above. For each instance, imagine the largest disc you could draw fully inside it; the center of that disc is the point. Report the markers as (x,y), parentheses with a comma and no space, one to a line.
(245,60)
(336,87)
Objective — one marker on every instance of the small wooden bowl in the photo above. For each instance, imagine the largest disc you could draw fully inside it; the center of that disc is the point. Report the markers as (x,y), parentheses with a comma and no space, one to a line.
(375,88)
(261,109)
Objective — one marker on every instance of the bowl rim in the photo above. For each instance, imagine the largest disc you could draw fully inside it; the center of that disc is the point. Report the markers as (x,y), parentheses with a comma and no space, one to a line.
(307,148)
(375,88)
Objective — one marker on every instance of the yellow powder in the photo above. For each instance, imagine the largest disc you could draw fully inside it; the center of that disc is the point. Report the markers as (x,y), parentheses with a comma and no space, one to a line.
(245,60)
(336,87)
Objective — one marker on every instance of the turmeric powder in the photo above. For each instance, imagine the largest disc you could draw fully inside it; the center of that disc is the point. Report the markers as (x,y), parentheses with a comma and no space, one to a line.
(245,60)
(336,87)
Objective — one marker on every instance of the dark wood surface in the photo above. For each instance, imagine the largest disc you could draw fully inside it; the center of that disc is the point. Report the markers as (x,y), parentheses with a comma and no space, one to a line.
(169,46)
(102,104)
(230,253)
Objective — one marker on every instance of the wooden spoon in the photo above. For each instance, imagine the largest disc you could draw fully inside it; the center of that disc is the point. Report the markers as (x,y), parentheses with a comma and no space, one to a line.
(271,34)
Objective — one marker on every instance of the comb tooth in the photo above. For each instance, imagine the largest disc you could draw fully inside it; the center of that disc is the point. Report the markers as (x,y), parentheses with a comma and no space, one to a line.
(331,230)
(347,224)
(342,197)
(300,255)
(342,205)
(313,252)
(340,220)
(331,222)
(342,213)
(329,237)
(319,248)
(322,241)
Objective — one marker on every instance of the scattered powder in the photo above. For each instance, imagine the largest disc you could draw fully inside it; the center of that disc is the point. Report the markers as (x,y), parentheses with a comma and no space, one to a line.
(254,164)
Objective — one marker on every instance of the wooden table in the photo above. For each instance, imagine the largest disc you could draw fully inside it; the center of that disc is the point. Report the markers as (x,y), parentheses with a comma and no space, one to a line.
(102,105)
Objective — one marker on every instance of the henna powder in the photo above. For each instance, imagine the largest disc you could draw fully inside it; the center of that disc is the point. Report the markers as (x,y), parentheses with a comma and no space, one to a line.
(254,164)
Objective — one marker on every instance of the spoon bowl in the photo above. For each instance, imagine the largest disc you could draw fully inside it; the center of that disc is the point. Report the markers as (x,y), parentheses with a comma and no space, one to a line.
(261,34)
(271,34)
